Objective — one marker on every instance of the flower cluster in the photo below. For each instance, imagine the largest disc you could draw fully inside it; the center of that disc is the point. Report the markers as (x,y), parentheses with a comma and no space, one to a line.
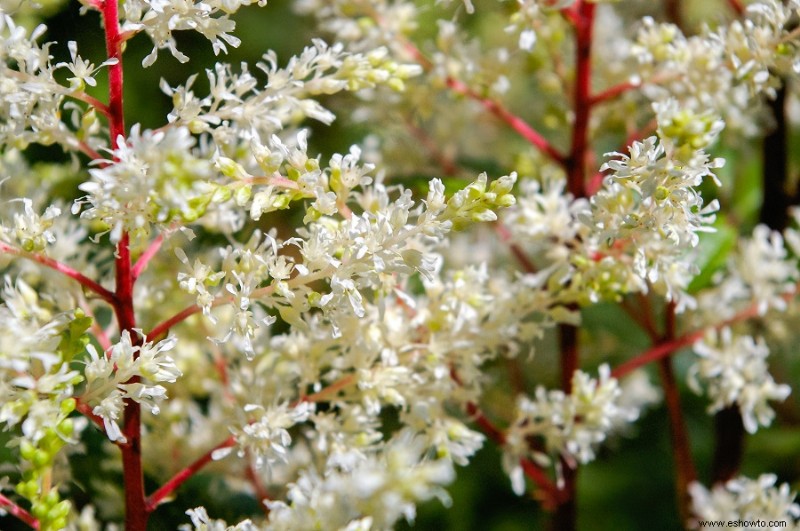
(735,372)
(719,69)
(38,384)
(331,334)
(112,378)
(636,232)
(745,499)
(565,425)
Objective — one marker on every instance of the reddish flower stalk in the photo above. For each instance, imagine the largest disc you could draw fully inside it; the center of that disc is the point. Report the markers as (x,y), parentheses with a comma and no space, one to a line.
(613,92)
(667,347)
(685,471)
(163,328)
(576,161)
(147,255)
(737,6)
(17,511)
(549,491)
(531,470)
(178,479)
(656,352)
(136,515)
(565,516)
(86,410)
(519,125)
(46,261)
(516,250)
(582,17)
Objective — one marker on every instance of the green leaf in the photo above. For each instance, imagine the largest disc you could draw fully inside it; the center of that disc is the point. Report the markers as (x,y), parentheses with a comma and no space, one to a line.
(74,337)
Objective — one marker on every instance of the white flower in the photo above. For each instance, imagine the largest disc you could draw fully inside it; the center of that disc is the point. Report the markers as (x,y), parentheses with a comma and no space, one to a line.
(569,425)
(749,500)
(734,371)
(31,231)
(108,376)
(135,188)
(765,269)
(527,39)
(385,486)
(267,438)
(82,70)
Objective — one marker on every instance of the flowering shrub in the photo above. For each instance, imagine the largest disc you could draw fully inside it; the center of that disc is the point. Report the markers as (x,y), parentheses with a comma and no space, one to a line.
(332,338)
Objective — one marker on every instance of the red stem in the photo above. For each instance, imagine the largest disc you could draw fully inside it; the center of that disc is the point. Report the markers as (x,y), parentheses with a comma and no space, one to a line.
(147,255)
(87,150)
(536,474)
(114,50)
(516,250)
(685,471)
(19,512)
(657,352)
(565,516)
(612,92)
(486,425)
(163,328)
(516,123)
(576,161)
(136,515)
(258,486)
(98,105)
(737,6)
(86,282)
(178,479)
(667,347)
(519,125)
(86,410)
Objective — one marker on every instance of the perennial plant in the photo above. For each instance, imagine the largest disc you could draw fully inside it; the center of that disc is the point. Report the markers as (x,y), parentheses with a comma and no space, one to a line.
(538,189)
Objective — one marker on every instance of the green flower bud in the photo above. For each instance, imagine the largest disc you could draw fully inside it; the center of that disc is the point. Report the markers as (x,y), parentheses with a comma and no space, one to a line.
(68,406)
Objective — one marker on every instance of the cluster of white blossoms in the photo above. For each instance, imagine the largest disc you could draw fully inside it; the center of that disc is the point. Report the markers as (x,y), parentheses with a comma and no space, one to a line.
(570,426)
(112,378)
(734,370)
(295,322)
(719,69)
(636,233)
(746,500)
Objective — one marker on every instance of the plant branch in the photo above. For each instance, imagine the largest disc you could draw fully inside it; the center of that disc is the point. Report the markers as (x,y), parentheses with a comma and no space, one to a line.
(333,388)
(64,269)
(516,250)
(136,515)
(19,512)
(98,105)
(737,6)
(576,160)
(565,516)
(519,125)
(667,347)
(515,122)
(147,255)
(685,472)
(614,91)
(178,479)
(163,327)
(86,410)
